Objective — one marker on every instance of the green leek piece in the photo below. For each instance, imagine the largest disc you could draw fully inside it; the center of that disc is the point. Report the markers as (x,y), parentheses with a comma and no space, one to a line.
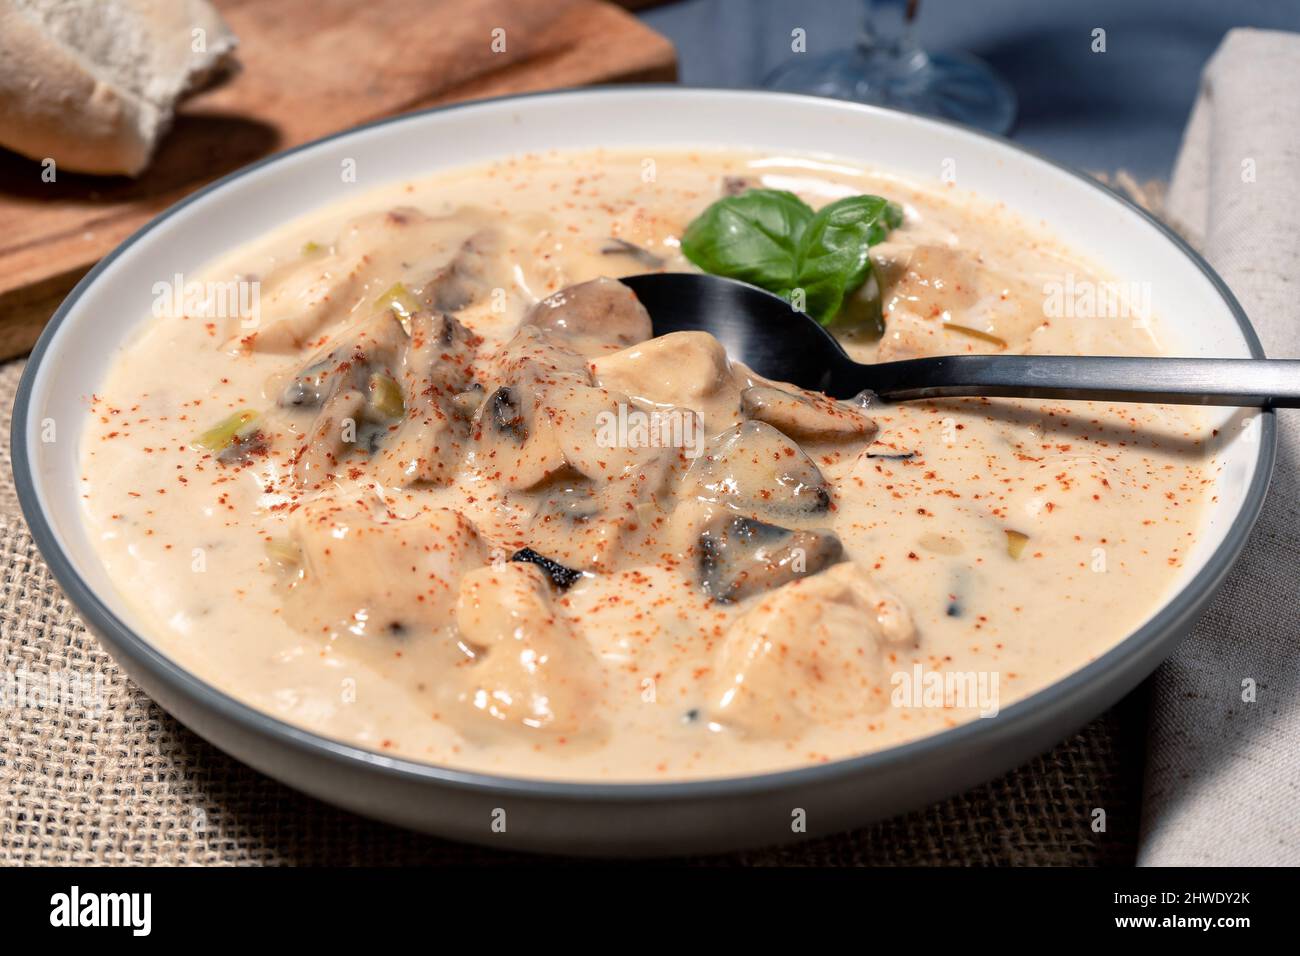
(400,300)
(222,435)
(386,396)
(1016,542)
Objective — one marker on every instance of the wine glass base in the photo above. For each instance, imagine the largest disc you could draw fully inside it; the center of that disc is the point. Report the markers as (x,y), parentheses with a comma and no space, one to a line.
(951,86)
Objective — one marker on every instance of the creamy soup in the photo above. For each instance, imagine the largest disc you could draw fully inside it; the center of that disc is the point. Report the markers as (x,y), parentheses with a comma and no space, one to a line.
(431,486)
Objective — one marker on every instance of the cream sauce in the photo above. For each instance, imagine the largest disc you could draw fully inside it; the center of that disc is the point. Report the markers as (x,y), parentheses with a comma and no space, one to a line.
(371,596)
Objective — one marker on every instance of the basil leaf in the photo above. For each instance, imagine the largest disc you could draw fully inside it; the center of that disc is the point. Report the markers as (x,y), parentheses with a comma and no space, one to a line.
(773,239)
(753,237)
(835,253)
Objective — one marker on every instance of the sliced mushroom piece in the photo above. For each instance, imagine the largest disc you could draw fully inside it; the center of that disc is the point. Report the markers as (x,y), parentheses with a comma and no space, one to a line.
(735,185)
(756,470)
(740,557)
(514,442)
(805,417)
(593,318)
(377,576)
(526,671)
(810,652)
(371,345)
(560,576)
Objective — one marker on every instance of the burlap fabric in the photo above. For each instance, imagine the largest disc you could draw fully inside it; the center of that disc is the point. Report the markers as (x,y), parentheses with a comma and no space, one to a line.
(129,785)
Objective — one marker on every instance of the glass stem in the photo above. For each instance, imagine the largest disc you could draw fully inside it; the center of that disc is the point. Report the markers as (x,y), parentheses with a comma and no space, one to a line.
(888,34)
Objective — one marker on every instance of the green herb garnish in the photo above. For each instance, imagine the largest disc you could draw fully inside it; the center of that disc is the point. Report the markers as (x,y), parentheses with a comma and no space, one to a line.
(773,239)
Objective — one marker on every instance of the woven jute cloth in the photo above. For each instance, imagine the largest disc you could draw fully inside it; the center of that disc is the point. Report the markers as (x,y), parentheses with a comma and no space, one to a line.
(121,782)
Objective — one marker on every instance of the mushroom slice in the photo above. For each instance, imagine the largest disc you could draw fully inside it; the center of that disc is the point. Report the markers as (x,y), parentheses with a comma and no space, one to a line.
(756,470)
(526,670)
(811,652)
(514,441)
(806,417)
(561,577)
(429,441)
(377,576)
(593,318)
(740,557)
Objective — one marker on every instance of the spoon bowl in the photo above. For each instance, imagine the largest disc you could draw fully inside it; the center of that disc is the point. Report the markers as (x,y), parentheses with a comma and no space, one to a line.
(779,342)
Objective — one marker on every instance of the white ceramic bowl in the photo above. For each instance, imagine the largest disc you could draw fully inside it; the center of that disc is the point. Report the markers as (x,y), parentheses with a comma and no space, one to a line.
(99,315)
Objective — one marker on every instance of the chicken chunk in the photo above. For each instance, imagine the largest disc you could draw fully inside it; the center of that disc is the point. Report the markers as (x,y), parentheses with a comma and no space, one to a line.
(430,439)
(811,652)
(942,301)
(688,369)
(449,262)
(526,670)
(377,576)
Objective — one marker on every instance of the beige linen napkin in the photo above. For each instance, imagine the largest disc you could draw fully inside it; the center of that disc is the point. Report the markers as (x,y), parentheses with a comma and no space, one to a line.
(1223,774)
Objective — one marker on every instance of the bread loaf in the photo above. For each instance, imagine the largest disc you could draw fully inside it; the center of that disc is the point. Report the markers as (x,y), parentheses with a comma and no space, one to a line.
(92,84)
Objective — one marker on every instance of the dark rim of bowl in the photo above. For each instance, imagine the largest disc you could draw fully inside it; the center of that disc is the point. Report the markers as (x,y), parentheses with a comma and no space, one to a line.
(1174,615)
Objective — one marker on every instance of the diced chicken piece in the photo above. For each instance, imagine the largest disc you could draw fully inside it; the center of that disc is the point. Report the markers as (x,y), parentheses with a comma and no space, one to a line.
(303,298)
(688,369)
(377,576)
(546,419)
(430,440)
(515,443)
(811,652)
(941,301)
(527,671)
(594,318)
(335,435)
(593,524)
(579,480)
(535,357)
(452,261)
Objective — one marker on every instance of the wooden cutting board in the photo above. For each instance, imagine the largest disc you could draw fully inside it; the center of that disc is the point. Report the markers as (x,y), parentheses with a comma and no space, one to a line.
(309,68)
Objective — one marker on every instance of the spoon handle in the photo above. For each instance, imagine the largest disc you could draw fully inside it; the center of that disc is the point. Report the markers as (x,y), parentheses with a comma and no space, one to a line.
(1253,383)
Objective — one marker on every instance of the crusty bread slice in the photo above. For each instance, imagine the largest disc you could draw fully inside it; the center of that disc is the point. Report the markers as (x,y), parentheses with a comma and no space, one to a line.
(92,84)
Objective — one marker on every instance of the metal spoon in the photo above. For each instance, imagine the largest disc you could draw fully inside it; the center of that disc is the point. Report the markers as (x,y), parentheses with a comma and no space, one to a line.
(761,330)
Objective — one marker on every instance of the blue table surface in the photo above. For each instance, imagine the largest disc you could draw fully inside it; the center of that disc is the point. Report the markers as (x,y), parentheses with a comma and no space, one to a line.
(1122,109)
